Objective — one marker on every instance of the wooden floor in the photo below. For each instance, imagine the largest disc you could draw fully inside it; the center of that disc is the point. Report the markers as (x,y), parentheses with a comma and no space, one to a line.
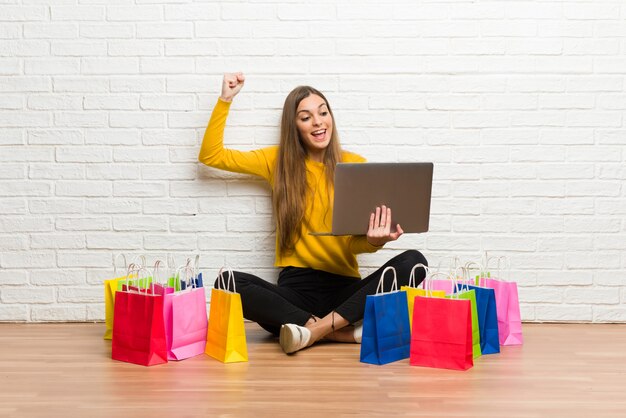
(65,370)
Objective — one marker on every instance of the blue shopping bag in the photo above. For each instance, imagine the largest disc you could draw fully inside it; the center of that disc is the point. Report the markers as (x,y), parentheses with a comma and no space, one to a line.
(487,319)
(485,309)
(195,282)
(386,332)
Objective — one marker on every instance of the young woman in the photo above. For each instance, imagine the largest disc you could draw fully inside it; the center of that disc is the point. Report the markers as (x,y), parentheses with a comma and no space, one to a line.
(319,293)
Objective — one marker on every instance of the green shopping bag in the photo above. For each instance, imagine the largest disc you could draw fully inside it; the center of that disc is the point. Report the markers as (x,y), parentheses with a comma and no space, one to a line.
(463,292)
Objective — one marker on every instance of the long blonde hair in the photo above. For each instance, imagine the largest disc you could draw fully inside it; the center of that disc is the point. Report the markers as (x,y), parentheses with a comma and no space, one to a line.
(290,191)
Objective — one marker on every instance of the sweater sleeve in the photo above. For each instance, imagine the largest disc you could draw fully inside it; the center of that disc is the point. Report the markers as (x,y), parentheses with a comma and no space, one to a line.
(213,153)
(358,245)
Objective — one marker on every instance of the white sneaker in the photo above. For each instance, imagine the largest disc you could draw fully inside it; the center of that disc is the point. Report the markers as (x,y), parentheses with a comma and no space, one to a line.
(293,338)
(358,331)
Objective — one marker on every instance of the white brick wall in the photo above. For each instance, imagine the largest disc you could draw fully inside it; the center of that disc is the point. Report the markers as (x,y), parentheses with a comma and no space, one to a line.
(521,105)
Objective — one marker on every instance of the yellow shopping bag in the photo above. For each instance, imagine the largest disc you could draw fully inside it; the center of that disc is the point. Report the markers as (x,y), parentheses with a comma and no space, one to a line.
(226,335)
(110,287)
(412,291)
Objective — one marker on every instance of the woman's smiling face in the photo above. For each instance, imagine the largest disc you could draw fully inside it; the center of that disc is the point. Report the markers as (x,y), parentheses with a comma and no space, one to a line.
(315,125)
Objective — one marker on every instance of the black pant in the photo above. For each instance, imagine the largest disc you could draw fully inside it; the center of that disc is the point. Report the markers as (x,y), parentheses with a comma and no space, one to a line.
(302,292)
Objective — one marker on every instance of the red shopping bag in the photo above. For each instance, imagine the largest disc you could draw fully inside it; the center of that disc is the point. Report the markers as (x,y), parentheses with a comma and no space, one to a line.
(138,330)
(442,333)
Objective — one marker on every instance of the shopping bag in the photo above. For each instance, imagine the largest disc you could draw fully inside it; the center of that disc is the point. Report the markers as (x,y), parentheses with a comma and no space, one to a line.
(386,334)
(507,306)
(195,281)
(486,309)
(412,291)
(447,281)
(132,281)
(226,334)
(138,262)
(487,319)
(443,281)
(442,333)
(110,287)
(463,292)
(173,281)
(442,285)
(186,321)
(197,275)
(189,323)
(167,292)
(138,330)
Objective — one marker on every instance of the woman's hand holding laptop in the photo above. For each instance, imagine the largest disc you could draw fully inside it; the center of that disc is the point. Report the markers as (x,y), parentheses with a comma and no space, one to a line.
(379,232)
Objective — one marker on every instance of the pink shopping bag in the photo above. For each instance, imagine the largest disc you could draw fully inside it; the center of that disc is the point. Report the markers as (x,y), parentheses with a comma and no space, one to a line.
(189,323)
(507,304)
(185,318)
(447,283)
(507,308)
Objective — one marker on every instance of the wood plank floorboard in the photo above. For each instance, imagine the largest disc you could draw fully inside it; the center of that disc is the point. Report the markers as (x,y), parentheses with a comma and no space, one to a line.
(65,370)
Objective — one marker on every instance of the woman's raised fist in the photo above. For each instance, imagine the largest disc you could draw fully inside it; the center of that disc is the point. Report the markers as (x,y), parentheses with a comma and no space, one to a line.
(232,83)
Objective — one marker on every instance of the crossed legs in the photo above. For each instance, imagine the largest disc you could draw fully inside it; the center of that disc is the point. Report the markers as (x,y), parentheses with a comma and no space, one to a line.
(335,325)
(309,305)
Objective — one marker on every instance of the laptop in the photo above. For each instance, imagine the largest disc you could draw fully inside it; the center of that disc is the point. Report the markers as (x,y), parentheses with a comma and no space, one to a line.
(361,187)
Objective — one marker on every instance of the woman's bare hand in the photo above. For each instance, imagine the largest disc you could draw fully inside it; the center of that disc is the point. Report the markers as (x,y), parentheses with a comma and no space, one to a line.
(379,232)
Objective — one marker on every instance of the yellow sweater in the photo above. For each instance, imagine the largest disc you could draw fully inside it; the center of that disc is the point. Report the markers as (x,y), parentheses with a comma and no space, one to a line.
(327,253)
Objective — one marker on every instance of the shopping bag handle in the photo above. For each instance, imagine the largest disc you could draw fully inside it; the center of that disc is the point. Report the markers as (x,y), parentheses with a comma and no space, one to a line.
(196,268)
(412,276)
(132,267)
(505,262)
(427,283)
(455,282)
(450,276)
(394,284)
(468,270)
(188,276)
(171,262)
(459,285)
(115,263)
(141,258)
(231,279)
(138,270)
(455,261)
(156,269)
